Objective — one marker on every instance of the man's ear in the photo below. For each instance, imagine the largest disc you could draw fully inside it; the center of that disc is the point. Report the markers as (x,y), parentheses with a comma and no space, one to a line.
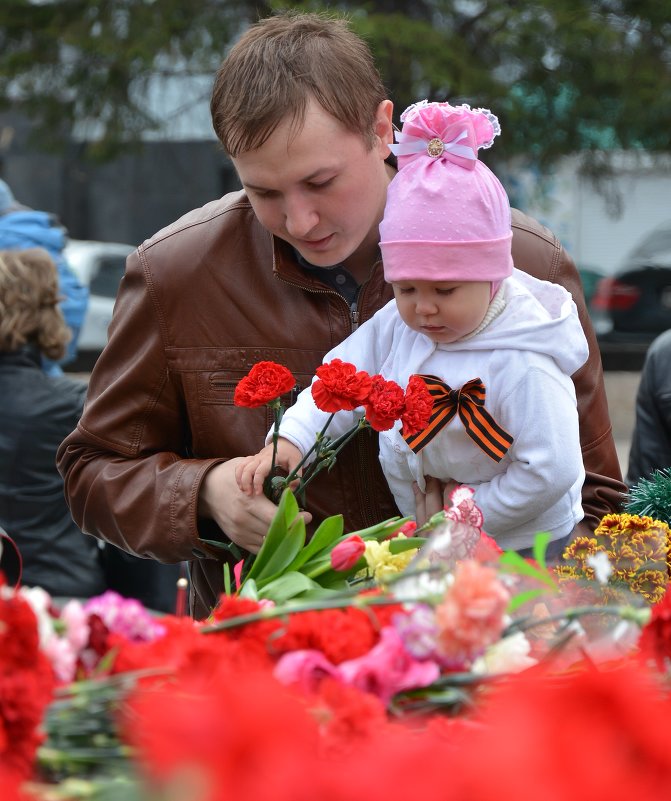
(384,129)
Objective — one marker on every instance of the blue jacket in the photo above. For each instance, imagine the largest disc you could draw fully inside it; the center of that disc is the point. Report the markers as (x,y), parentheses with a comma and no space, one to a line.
(27,228)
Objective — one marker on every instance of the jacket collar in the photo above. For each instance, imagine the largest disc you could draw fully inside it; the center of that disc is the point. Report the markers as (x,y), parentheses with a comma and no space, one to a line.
(26,356)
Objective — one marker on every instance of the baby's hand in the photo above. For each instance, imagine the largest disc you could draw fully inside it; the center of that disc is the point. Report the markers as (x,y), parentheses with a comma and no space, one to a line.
(253,471)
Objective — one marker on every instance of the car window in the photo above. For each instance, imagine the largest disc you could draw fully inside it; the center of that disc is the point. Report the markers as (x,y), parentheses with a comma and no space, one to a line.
(106,280)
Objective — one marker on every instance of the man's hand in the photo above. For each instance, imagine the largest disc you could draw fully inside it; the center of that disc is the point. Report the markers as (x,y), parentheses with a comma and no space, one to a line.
(243,518)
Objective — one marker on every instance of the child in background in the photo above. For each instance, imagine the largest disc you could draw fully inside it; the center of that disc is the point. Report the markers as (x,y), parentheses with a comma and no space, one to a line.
(487,338)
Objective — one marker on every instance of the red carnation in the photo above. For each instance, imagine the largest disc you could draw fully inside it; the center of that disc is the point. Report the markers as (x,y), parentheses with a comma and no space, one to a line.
(385,403)
(655,639)
(265,382)
(418,407)
(340,387)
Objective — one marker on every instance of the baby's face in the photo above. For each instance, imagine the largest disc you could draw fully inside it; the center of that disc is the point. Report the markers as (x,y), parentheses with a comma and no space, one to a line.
(445,311)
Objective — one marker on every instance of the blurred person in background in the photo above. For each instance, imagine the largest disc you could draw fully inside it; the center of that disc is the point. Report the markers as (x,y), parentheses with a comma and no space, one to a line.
(651,440)
(22,227)
(36,413)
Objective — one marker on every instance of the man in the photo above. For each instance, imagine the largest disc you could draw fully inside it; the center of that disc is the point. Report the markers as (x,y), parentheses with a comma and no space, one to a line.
(282,271)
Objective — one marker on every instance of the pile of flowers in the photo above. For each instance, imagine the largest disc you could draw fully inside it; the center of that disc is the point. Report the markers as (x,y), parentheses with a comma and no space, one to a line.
(431,657)
(386,663)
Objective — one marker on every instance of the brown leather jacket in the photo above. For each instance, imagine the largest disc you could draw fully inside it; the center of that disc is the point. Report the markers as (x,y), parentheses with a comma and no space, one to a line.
(200,303)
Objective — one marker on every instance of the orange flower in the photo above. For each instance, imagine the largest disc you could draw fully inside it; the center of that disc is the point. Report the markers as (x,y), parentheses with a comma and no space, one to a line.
(471,615)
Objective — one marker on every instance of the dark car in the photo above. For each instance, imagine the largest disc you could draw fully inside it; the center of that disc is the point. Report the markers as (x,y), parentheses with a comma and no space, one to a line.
(633,306)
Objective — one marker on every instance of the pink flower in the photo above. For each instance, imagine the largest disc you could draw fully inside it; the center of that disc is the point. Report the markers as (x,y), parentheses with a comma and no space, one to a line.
(407,529)
(388,668)
(77,629)
(347,553)
(124,616)
(304,668)
(462,507)
(471,614)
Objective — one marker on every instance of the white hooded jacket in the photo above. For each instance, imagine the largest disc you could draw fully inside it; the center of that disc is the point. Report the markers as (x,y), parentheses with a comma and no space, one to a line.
(525,356)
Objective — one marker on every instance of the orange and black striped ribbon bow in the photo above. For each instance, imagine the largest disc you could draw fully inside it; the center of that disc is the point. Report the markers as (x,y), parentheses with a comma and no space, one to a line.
(469,403)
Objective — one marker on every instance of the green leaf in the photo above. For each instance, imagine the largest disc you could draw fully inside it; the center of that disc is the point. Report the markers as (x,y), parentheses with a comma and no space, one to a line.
(522,598)
(249,590)
(541,541)
(315,567)
(519,565)
(284,554)
(287,586)
(227,578)
(324,538)
(287,512)
(380,531)
(406,544)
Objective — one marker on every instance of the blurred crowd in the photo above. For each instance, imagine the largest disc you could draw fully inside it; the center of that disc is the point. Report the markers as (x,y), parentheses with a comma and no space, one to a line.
(42,308)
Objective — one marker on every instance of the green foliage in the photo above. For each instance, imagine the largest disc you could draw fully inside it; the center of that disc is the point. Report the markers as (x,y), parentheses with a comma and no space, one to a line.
(287,567)
(562,77)
(652,497)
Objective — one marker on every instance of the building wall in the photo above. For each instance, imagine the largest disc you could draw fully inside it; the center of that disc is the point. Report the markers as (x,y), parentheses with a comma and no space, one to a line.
(599,222)
(124,200)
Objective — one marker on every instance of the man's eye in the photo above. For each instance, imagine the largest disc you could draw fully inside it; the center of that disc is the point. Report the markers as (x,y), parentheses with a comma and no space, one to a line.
(320,184)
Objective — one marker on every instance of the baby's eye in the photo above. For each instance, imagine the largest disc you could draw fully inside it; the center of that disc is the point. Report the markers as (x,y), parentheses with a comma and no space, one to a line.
(446,291)
(405,290)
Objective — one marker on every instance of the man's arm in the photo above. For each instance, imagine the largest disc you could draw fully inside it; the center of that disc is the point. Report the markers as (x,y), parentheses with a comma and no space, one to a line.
(128,475)
(538,252)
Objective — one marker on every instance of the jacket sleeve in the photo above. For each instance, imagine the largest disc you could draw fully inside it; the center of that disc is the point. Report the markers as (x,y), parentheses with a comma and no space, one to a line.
(126,477)
(651,440)
(537,251)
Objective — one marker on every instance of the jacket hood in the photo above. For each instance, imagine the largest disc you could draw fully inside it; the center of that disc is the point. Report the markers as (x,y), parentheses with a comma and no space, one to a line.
(31,229)
(539,317)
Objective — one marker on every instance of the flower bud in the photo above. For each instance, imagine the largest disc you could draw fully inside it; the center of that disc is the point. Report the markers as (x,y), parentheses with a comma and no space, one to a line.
(346,554)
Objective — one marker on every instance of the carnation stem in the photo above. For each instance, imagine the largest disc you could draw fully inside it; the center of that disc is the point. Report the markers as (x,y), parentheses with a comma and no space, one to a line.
(638,616)
(342,602)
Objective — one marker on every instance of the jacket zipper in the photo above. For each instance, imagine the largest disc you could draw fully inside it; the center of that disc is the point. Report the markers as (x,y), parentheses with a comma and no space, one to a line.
(365,499)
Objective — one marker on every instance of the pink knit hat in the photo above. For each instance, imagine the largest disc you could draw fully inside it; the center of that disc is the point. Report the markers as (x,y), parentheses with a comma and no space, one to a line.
(447,216)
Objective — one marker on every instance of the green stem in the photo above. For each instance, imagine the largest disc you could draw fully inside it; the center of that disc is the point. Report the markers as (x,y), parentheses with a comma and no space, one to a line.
(638,616)
(344,601)
(326,459)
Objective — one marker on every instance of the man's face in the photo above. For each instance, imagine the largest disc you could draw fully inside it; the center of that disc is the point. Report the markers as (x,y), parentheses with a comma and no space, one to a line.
(322,190)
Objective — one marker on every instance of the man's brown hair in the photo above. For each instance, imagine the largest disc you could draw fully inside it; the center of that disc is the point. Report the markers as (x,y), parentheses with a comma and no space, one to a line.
(29,300)
(283,61)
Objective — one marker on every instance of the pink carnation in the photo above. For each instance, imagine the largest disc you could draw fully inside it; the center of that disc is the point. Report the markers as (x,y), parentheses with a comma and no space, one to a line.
(471,615)
(304,668)
(388,668)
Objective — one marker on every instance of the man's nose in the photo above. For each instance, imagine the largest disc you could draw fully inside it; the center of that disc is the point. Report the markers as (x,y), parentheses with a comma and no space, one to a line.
(300,217)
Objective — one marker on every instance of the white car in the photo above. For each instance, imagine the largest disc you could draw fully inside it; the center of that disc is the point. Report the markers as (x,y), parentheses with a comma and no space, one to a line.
(100,266)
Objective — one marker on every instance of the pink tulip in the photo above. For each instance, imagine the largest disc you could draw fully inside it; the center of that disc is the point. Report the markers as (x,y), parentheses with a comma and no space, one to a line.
(345,555)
